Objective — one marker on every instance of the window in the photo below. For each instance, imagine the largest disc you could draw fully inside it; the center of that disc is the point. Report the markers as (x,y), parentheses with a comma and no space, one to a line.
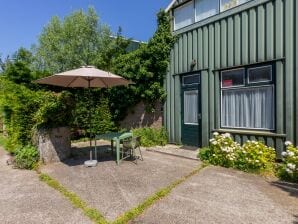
(198,10)
(232,78)
(191,80)
(247,98)
(205,9)
(228,4)
(183,15)
(260,74)
(191,107)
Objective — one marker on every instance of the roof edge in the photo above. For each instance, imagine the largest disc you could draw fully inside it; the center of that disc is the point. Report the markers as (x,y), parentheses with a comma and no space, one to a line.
(170,5)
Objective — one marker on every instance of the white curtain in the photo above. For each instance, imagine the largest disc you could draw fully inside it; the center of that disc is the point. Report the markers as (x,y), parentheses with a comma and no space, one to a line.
(248,108)
(191,107)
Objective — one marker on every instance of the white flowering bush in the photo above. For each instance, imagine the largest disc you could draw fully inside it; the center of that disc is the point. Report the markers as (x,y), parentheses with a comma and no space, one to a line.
(253,156)
(289,168)
(222,150)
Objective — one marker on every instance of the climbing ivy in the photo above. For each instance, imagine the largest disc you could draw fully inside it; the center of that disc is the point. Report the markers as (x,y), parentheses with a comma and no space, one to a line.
(146,67)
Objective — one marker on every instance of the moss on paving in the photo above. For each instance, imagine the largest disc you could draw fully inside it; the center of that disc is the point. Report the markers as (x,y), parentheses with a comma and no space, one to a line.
(92,213)
(131,214)
(138,210)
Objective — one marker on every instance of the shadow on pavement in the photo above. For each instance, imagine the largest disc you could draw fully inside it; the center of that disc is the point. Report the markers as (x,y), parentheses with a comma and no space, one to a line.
(290,188)
(80,154)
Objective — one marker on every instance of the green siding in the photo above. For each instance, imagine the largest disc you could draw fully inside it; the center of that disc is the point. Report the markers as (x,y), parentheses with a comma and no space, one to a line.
(263,30)
(296,70)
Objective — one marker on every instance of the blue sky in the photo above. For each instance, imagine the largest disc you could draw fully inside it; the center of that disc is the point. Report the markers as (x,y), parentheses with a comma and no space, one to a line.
(21,21)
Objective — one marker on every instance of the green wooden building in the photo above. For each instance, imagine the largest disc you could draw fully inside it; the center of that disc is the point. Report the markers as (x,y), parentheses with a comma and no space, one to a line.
(233,68)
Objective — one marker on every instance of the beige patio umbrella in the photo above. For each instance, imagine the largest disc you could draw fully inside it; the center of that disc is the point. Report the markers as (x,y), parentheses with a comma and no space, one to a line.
(85,77)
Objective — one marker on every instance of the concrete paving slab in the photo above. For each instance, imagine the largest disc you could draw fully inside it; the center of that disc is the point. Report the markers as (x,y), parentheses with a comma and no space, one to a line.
(176,150)
(115,189)
(24,199)
(219,195)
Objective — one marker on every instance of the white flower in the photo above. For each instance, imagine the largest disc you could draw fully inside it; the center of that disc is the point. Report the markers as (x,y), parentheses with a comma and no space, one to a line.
(291,166)
(211,140)
(253,142)
(287,143)
(257,161)
(215,134)
(290,153)
(284,154)
(213,154)
(226,135)
(289,171)
(214,143)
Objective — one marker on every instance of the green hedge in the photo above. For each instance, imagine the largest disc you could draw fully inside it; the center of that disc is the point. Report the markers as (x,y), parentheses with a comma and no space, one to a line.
(151,136)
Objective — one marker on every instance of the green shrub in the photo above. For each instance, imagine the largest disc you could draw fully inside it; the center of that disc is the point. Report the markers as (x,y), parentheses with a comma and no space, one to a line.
(255,157)
(26,157)
(151,136)
(252,156)
(223,150)
(289,168)
(24,110)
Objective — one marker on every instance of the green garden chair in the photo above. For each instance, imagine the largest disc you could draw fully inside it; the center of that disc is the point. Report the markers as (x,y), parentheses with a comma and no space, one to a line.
(129,147)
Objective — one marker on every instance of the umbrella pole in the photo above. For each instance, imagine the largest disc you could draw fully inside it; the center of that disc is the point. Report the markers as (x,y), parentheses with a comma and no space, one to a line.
(90,126)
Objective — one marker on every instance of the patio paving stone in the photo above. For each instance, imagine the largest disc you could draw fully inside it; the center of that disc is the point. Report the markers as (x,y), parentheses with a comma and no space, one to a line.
(115,189)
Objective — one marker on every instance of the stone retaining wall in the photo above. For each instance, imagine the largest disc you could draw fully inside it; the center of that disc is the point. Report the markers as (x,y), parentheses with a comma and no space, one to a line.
(139,117)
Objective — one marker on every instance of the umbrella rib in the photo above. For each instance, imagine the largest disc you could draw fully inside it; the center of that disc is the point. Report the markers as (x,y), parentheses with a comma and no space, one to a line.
(104,83)
(74,79)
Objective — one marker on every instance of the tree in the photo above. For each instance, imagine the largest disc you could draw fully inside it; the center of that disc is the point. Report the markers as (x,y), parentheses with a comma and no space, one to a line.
(19,68)
(147,67)
(75,41)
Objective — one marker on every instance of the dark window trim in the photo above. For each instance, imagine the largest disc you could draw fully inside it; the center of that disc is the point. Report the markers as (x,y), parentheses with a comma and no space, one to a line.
(250,64)
(191,84)
(247,85)
(191,72)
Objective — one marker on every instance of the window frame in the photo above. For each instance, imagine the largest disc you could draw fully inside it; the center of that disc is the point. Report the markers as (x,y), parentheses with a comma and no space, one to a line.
(236,86)
(195,16)
(194,20)
(221,10)
(185,4)
(248,85)
(191,84)
(260,82)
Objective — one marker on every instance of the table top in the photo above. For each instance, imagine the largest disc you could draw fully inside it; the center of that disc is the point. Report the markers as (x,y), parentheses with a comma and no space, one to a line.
(113,135)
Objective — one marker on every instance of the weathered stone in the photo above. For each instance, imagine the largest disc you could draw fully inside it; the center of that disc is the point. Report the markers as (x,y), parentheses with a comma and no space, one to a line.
(138,117)
(54,144)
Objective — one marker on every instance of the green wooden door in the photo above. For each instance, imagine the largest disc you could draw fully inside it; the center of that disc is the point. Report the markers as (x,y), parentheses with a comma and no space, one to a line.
(191,110)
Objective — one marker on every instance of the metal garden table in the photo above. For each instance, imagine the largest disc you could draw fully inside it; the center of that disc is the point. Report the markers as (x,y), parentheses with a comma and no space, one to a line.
(114,137)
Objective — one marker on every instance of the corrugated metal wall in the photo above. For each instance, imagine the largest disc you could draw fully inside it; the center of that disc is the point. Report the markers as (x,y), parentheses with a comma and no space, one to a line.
(267,30)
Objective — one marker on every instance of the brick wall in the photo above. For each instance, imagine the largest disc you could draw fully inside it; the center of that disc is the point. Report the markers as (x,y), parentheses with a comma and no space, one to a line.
(139,117)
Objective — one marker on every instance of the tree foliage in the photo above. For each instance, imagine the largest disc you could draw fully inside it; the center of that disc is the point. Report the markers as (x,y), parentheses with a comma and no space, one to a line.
(19,70)
(77,40)
(147,67)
